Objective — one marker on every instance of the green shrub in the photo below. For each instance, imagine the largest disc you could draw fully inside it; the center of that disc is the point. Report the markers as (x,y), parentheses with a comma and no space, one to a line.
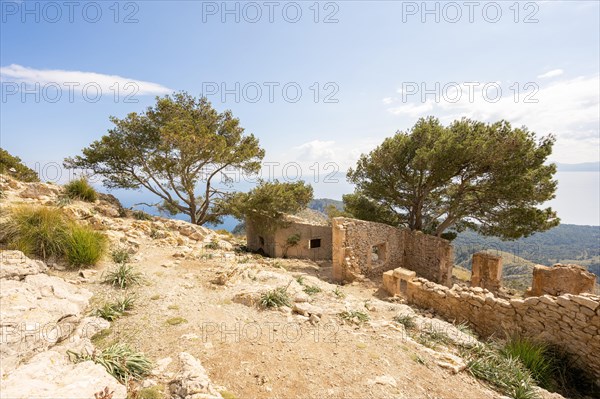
(213,244)
(39,231)
(120,361)
(123,276)
(84,246)
(275,298)
(13,166)
(141,215)
(536,357)
(506,373)
(81,189)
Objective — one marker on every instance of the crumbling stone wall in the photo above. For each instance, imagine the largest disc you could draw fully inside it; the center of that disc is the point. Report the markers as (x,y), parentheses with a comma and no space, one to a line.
(486,271)
(274,244)
(560,279)
(355,241)
(571,322)
(431,257)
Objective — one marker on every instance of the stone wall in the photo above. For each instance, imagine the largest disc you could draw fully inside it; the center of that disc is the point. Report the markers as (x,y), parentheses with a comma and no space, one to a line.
(486,271)
(561,279)
(275,244)
(362,248)
(353,248)
(431,257)
(571,322)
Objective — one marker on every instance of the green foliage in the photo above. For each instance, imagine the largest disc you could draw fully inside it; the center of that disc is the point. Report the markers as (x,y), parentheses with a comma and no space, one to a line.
(536,357)
(155,392)
(12,166)
(213,244)
(120,255)
(120,361)
(267,204)
(275,298)
(354,316)
(84,246)
(506,373)
(46,232)
(168,150)
(113,310)
(141,215)
(39,231)
(408,321)
(123,276)
(488,177)
(80,189)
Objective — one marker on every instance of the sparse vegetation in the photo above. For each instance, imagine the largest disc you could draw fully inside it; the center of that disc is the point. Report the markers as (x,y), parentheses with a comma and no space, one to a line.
(81,189)
(120,255)
(339,293)
(506,373)
(408,321)
(123,276)
(113,310)
(174,321)
(354,316)
(141,215)
(120,361)
(155,392)
(275,298)
(213,244)
(312,289)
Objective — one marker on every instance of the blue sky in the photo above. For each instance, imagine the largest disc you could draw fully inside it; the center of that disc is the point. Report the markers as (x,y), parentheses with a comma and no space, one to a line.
(370,65)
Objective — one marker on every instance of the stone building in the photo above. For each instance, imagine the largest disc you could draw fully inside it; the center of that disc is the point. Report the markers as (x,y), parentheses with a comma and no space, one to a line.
(307,236)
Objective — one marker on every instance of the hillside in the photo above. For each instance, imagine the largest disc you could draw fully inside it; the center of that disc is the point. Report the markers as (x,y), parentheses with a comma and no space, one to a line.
(565,243)
(320,204)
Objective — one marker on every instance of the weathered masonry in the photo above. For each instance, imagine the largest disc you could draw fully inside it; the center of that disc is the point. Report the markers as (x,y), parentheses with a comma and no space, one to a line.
(302,238)
(362,248)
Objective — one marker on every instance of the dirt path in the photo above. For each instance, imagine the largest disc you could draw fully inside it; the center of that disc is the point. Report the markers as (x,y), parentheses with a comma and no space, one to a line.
(258,353)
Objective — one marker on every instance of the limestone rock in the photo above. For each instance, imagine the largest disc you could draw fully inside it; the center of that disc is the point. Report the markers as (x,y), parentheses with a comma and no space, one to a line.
(15,265)
(561,279)
(192,381)
(52,375)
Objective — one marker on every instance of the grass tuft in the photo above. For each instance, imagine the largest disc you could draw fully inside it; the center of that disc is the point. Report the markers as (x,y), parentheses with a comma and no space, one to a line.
(45,232)
(408,321)
(275,298)
(312,289)
(120,361)
(80,189)
(84,246)
(173,321)
(141,215)
(120,255)
(123,276)
(114,310)
(536,357)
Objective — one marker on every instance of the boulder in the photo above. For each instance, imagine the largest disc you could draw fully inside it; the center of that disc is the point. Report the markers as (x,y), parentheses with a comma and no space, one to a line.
(192,381)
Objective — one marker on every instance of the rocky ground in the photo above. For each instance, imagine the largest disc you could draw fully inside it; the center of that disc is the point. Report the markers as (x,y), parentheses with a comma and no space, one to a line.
(197,317)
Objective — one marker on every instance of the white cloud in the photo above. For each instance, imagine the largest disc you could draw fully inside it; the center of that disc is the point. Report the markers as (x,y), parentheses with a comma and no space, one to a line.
(412,110)
(568,108)
(21,74)
(551,74)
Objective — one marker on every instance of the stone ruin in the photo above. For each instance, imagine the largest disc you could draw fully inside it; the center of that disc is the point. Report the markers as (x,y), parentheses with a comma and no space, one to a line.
(364,249)
(486,271)
(560,309)
(561,279)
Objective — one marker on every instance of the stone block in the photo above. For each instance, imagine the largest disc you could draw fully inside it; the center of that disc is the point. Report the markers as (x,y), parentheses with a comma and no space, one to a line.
(561,279)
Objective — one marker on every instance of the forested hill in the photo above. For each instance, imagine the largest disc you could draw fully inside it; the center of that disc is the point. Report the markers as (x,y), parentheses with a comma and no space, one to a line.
(320,204)
(566,243)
